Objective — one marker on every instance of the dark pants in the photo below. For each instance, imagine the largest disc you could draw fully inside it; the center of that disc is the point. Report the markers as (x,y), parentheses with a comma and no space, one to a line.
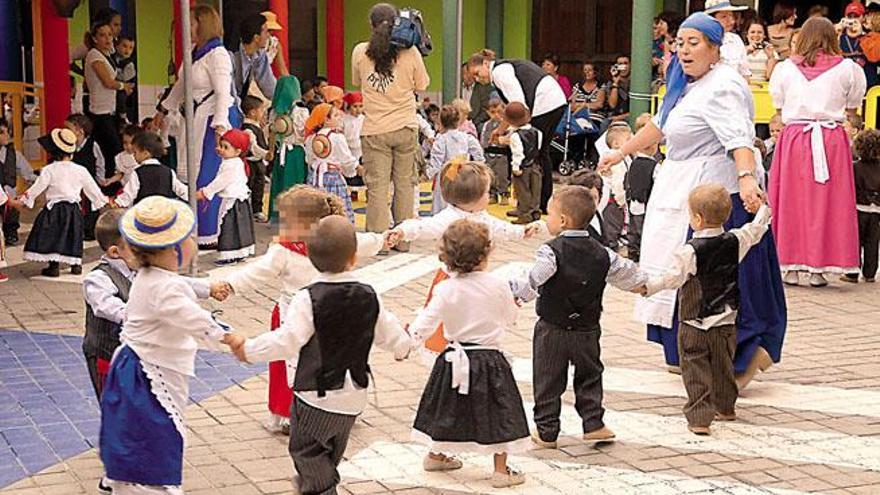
(612,226)
(634,237)
(94,376)
(105,130)
(317,444)
(869,239)
(11,223)
(527,187)
(706,358)
(257,184)
(500,166)
(90,219)
(553,349)
(547,123)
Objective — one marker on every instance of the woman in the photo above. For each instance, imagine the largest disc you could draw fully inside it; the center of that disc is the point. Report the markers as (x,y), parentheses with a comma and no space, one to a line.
(388,77)
(709,132)
(100,76)
(550,64)
(215,110)
(590,95)
(761,55)
(811,188)
(784,17)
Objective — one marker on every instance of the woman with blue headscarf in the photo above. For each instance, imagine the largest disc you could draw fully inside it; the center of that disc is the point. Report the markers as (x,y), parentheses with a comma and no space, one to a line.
(707,119)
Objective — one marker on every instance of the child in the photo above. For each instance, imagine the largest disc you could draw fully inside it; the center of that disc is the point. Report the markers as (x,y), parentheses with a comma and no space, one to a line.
(775,126)
(333,95)
(612,213)
(706,269)
(88,154)
(127,73)
(638,182)
(594,184)
(57,233)
(525,150)
(448,144)
(252,107)
(150,178)
(327,154)
(144,399)
(14,165)
(496,155)
(300,207)
(236,239)
(289,115)
(480,408)
(330,327)
(125,161)
(569,279)
(867,179)
(352,122)
(465,124)
(433,112)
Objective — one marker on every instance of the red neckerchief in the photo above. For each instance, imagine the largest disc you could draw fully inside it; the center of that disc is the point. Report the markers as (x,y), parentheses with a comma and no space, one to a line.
(297,247)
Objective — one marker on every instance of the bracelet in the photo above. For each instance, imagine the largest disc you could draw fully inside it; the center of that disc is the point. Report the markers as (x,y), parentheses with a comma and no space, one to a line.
(744,173)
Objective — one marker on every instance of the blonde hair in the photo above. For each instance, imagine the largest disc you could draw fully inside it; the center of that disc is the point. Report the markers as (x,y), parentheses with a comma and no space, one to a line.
(309,204)
(712,202)
(208,24)
(463,182)
(463,107)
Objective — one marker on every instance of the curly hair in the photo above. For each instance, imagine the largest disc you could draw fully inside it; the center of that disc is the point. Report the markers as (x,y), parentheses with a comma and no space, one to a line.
(867,146)
(309,204)
(380,50)
(465,245)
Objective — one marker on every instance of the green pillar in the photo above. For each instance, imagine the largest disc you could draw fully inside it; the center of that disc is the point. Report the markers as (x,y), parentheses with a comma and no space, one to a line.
(640,59)
(494,26)
(451,50)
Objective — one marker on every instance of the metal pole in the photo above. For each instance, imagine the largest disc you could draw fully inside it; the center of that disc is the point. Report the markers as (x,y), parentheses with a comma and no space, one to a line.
(640,61)
(450,50)
(458,35)
(192,168)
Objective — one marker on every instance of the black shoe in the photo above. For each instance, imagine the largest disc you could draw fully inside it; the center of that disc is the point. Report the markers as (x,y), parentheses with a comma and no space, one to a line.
(228,262)
(103,487)
(12,240)
(51,271)
(76,269)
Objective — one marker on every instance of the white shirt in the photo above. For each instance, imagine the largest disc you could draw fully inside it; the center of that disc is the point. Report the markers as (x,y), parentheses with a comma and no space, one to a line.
(64,181)
(133,186)
(433,227)
(825,98)
(474,308)
(425,128)
(125,164)
(212,72)
(299,115)
(684,265)
(340,155)
(230,182)
(22,165)
(164,324)
(257,153)
(733,53)
(102,101)
(297,330)
(351,127)
(548,93)
(516,147)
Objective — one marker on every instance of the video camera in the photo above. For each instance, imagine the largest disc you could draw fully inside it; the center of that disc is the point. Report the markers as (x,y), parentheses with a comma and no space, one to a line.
(409,30)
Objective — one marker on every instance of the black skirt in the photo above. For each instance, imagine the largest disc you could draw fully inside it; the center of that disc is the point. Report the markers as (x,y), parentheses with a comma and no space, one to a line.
(57,235)
(236,239)
(489,419)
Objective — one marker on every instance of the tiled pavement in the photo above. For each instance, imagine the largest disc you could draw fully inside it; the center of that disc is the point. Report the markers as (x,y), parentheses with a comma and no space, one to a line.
(811,424)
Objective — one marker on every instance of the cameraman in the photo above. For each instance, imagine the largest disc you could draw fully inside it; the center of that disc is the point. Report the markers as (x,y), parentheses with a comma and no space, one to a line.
(617,90)
(851,36)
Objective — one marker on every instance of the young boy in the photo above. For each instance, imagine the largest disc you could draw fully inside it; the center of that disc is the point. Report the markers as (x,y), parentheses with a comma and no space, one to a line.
(496,155)
(253,110)
(866,148)
(88,154)
(618,133)
(770,143)
(330,327)
(150,177)
(525,149)
(13,165)
(569,278)
(127,73)
(638,182)
(706,269)
(594,183)
(125,162)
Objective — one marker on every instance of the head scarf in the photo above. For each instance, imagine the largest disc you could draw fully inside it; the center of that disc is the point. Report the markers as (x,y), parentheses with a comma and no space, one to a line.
(353,97)
(238,139)
(676,80)
(332,94)
(317,118)
(287,91)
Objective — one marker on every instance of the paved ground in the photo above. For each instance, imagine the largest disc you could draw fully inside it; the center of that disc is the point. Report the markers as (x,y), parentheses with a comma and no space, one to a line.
(811,424)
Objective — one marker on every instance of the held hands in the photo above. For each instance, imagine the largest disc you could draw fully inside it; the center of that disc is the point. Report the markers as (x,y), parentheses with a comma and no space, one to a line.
(221,290)
(532,229)
(609,160)
(236,344)
(640,290)
(751,194)
(392,237)
(200,195)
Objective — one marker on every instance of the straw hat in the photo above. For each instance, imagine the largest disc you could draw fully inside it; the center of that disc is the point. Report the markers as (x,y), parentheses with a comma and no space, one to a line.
(271,21)
(59,141)
(157,222)
(713,6)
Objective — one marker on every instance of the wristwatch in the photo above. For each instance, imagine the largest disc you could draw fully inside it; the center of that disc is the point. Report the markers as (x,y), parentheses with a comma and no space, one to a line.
(745,173)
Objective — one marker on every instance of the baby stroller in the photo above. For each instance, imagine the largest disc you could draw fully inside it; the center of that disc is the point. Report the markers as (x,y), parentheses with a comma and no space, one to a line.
(572,125)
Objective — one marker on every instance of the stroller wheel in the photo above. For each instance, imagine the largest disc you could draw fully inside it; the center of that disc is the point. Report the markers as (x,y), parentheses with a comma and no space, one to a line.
(567,167)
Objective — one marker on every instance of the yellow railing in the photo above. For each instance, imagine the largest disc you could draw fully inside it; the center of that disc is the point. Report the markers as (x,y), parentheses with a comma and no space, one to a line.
(20,93)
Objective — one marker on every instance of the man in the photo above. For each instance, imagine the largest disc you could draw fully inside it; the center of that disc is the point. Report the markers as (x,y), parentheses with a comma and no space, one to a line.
(850,39)
(733,50)
(251,63)
(478,95)
(274,46)
(617,90)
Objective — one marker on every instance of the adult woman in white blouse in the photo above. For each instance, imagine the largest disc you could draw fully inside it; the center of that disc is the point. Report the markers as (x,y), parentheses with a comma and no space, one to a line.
(760,53)
(215,109)
(707,120)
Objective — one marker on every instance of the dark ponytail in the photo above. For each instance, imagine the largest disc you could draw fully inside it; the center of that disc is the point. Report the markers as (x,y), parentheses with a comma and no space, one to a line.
(380,50)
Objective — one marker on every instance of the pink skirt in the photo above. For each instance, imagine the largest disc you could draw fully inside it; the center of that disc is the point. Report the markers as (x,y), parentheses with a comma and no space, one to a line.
(814,224)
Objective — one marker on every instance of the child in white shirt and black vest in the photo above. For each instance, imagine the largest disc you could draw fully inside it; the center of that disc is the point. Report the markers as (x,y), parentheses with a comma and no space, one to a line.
(569,278)
(525,151)
(253,110)
(706,269)
(638,183)
(330,326)
(87,154)
(150,177)
(12,166)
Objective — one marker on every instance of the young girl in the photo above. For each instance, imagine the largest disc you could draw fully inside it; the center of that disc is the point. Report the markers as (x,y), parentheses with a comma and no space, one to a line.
(150,178)
(143,403)
(289,115)
(327,154)
(451,142)
(471,401)
(287,260)
(236,239)
(465,124)
(333,95)
(352,123)
(57,234)
(867,179)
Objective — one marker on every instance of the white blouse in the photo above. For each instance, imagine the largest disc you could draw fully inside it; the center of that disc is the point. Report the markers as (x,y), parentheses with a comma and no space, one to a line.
(351,127)
(340,155)
(825,98)
(125,164)
(433,227)
(231,181)
(212,72)
(102,101)
(64,181)
(733,53)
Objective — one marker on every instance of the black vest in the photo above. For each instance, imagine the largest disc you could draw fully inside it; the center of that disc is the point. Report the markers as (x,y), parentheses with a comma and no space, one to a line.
(102,335)
(85,156)
(716,283)
(639,180)
(261,138)
(529,137)
(155,180)
(529,76)
(345,316)
(10,170)
(572,298)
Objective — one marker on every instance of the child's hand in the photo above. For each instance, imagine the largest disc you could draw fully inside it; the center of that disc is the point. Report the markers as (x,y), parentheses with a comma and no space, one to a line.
(236,344)
(221,290)
(392,237)
(641,290)
(360,170)
(517,172)
(200,195)
(532,229)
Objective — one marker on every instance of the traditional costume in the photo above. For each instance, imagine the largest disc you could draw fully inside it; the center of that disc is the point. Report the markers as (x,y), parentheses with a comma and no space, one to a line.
(449,144)
(151,178)
(329,158)
(290,115)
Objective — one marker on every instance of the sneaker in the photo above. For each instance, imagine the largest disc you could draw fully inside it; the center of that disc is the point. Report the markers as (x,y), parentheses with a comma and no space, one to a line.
(725,417)
(699,430)
(104,486)
(510,478)
(76,269)
(261,218)
(791,278)
(513,213)
(3,277)
(445,463)
(536,439)
(505,200)
(51,271)
(760,362)
(851,278)
(817,280)
(602,435)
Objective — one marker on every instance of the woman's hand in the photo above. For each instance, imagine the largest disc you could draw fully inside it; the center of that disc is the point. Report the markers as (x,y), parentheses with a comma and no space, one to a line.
(770,50)
(609,160)
(750,193)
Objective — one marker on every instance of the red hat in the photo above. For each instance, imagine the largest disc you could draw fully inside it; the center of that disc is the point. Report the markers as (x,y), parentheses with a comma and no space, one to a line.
(353,97)
(855,8)
(238,139)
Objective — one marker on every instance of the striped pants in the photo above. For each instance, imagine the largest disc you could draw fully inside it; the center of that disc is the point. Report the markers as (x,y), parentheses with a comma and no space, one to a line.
(707,371)
(317,443)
